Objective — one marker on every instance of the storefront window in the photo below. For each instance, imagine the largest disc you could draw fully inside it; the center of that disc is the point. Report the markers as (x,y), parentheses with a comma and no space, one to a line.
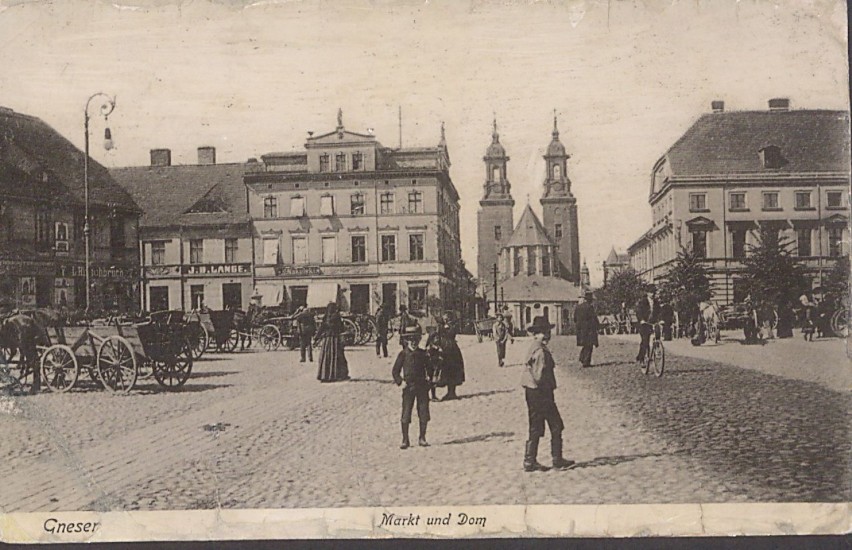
(196,296)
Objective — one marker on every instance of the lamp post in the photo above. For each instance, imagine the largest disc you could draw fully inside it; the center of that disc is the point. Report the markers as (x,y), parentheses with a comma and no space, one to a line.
(106,108)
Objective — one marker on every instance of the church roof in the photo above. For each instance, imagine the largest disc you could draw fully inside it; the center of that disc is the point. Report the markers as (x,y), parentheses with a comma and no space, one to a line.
(495,150)
(529,231)
(616,258)
(538,288)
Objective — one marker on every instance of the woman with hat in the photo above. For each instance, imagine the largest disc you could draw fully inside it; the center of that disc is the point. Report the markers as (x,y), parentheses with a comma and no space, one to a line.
(586,320)
(447,358)
(332,362)
(410,370)
(539,381)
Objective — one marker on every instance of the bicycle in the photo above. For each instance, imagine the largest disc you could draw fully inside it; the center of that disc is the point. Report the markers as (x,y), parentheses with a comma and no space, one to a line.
(656,352)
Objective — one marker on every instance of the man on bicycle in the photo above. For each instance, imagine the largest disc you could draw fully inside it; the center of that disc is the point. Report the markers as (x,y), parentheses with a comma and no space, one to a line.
(647,313)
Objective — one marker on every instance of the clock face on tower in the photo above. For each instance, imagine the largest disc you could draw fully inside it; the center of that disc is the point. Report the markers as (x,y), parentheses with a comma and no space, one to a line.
(556,187)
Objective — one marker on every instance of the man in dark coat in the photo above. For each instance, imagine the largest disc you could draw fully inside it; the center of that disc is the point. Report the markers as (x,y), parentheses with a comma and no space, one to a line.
(501,335)
(307,330)
(410,370)
(586,320)
(647,313)
(382,318)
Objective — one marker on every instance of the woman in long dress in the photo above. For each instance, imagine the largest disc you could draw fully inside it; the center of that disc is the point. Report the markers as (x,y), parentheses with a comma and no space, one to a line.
(449,368)
(332,362)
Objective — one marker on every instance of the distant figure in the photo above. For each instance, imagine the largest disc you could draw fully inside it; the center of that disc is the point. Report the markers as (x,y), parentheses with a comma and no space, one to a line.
(382,319)
(808,306)
(405,320)
(501,335)
(647,312)
(586,320)
(307,329)
(332,362)
(446,354)
(667,316)
(410,372)
(510,325)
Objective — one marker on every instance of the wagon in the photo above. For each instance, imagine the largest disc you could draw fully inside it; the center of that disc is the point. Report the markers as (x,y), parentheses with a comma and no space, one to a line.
(484,327)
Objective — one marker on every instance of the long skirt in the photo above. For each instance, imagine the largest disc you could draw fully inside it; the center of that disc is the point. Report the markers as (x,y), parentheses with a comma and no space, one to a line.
(451,367)
(332,362)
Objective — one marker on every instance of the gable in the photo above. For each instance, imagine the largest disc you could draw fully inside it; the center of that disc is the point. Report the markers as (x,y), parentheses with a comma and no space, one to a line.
(343,137)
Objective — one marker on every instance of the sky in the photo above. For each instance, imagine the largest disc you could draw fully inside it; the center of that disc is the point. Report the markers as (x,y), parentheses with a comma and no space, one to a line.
(626,78)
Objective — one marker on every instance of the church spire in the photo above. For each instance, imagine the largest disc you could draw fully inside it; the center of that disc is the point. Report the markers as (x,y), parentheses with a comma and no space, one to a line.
(555,128)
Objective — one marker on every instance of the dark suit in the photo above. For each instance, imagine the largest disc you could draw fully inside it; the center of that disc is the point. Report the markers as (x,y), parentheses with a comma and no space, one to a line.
(647,313)
(307,329)
(586,321)
(382,319)
(412,367)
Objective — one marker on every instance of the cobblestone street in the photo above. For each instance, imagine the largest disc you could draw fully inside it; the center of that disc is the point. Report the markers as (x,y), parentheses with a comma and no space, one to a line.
(256,430)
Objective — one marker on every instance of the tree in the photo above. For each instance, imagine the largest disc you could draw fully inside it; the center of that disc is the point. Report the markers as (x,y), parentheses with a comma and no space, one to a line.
(772,274)
(836,282)
(624,287)
(686,284)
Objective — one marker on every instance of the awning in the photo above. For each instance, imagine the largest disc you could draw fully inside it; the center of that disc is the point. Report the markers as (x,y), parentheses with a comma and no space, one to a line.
(321,294)
(271,294)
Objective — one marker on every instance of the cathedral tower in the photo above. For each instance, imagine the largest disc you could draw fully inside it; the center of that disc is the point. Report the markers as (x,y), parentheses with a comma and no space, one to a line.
(494,219)
(559,209)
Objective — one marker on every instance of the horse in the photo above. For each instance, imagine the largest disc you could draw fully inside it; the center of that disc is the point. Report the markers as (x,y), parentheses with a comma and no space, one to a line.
(23,334)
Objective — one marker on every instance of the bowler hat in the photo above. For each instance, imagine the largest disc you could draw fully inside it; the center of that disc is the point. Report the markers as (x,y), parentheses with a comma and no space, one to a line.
(539,325)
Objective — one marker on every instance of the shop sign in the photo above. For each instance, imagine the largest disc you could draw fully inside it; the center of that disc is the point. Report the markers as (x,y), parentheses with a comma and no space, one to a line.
(217,269)
(297,270)
(96,272)
(25,267)
(161,270)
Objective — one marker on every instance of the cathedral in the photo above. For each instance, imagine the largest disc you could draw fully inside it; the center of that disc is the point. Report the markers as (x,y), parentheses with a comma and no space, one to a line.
(537,263)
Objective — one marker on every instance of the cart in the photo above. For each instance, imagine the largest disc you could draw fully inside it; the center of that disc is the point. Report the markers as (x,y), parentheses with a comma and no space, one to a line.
(484,327)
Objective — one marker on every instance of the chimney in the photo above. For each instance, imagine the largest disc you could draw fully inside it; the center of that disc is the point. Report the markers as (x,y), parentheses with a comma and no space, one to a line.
(161,157)
(718,106)
(779,104)
(206,155)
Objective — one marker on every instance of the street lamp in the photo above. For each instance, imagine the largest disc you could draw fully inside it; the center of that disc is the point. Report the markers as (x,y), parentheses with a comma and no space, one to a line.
(106,108)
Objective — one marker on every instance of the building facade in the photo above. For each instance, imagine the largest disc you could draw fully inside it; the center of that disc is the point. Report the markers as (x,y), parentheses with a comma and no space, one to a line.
(538,264)
(195,235)
(380,225)
(733,173)
(42,217)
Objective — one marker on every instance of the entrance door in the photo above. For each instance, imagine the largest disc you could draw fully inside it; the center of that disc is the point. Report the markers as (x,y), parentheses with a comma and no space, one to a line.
(389,296)
(359,298)
(232,295)
(298,297)
(158,298)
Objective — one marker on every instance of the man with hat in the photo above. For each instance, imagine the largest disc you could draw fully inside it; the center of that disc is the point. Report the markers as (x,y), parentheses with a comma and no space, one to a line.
(647,313)
(501,335)
(586,320)
(539,381)
(410,370)
(307,329)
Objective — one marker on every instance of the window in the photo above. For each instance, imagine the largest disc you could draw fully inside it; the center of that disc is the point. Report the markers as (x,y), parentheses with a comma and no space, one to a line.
(495,173)
(738,243)
(297,206)
(270,251)
(270,207)
(516,256)
(196,296)
(340,162)
(557,171)
(557,231)
(699,243)
(835,240)
(697,202)
(532,260)
(300,250)
(386,203)
(196,251)
(357,161)
(803,241)
(79,224)
(803,199)
(158,298)
(417,297)
(834,199)
(545,261)
(415,202)
(359,248)
(327,205)
(738,201)
(232,295)
(158,252)
(771,157)
(230,251)
(770,200)
(388,248)
(356,207)
(44,228)
(329,250)
(498,233)
(324,162)
(415,247)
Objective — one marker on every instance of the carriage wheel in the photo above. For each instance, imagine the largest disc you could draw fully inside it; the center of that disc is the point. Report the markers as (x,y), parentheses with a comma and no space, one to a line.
(59,368)
(198,338)
(270,337)
(232,341)
(173,372)
(116,363)
(839,323)
(352,332)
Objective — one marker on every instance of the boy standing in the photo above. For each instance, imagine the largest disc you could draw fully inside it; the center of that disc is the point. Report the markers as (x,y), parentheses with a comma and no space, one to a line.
(539,381)
(501,334)
(411,371)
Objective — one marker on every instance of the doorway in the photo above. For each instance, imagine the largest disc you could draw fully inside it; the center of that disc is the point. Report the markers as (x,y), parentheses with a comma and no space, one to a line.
(158,298)
(232,295)
(359,298)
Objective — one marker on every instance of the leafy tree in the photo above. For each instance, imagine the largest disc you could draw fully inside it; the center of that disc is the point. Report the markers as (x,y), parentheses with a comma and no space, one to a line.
(624,287)
(836,282)
(686,284)
(772,273)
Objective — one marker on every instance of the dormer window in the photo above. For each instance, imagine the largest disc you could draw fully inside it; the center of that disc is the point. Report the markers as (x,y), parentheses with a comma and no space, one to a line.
(771,158)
